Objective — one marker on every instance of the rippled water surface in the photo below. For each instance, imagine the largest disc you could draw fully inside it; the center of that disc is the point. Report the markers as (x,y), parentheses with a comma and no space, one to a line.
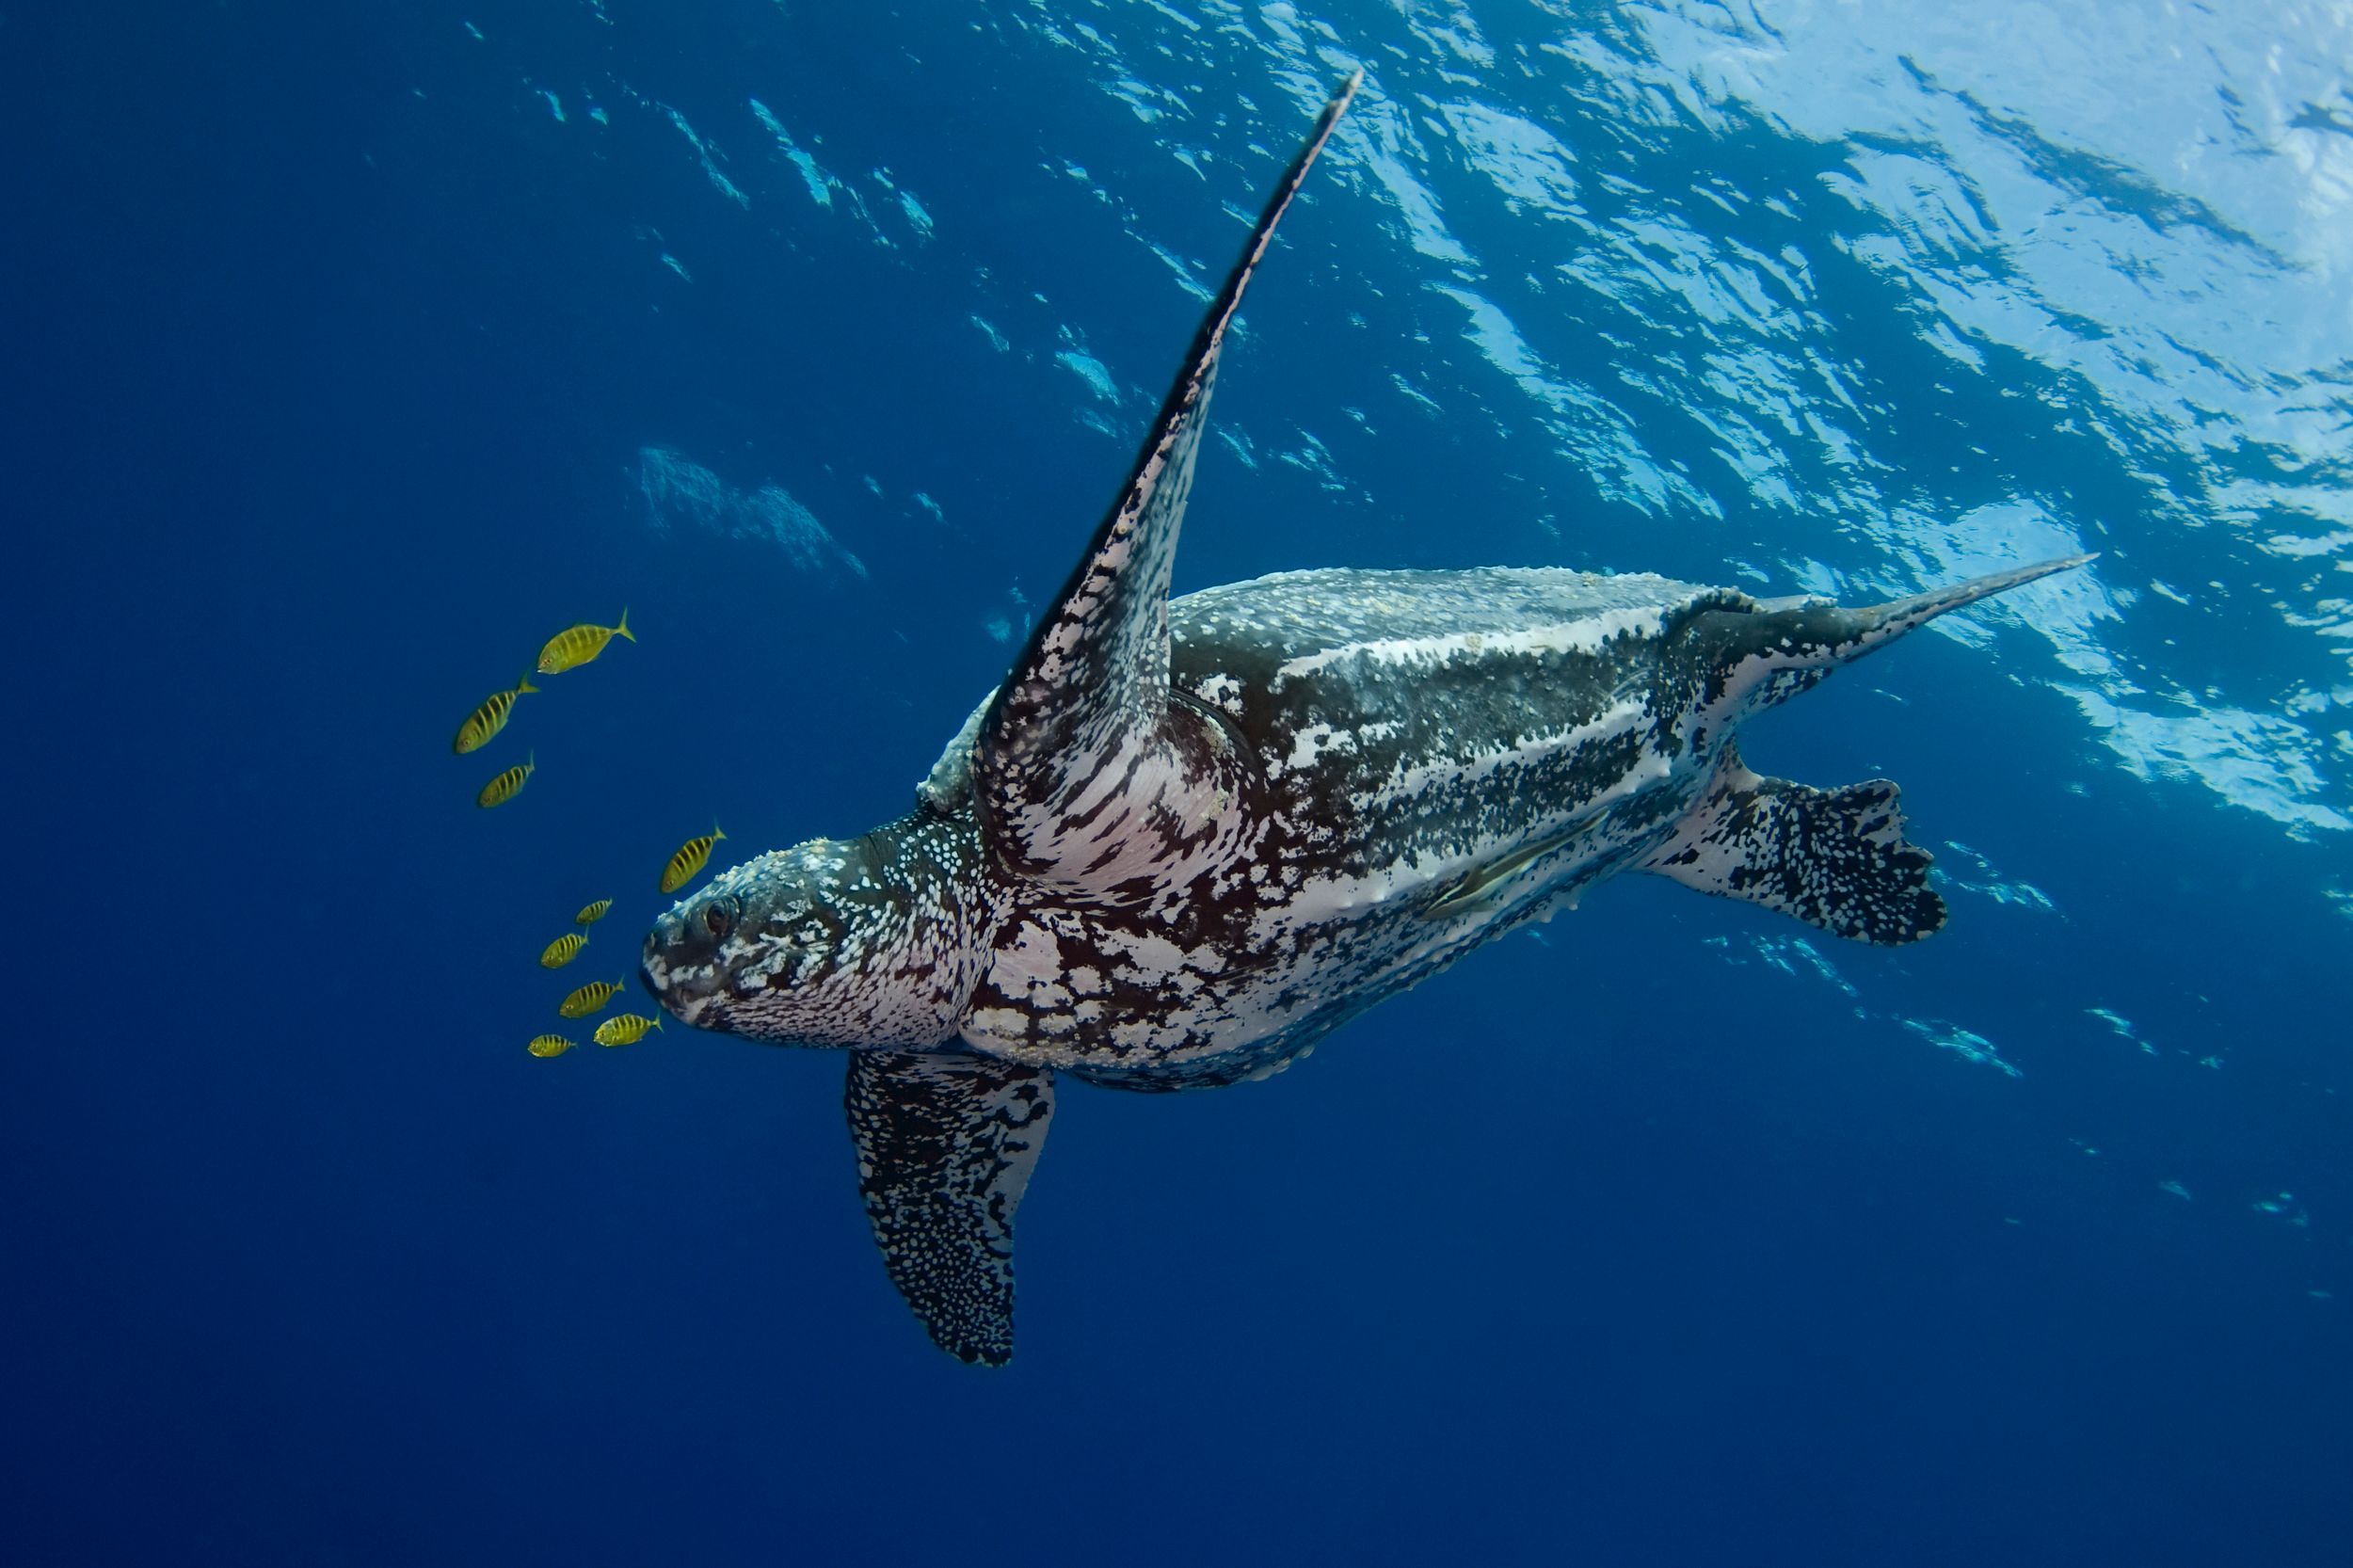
(360,348)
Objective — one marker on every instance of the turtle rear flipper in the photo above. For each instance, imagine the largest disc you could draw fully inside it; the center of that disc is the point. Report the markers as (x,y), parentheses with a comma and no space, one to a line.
(945,1146)
(1834,859)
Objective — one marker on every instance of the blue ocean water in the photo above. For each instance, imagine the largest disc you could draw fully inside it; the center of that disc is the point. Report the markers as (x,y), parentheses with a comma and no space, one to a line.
(357,349)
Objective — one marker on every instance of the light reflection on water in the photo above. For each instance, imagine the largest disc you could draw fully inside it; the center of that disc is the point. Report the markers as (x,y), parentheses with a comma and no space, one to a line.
(2050,243)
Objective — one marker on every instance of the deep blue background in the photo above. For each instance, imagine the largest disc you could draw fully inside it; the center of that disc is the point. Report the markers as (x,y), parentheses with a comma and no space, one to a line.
(331,354)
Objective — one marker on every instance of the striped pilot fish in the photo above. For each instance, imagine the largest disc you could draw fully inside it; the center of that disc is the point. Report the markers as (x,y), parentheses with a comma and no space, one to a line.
(588,999)
(489,719)
(507,786)
(579,645)
(625,1030)
(688,862)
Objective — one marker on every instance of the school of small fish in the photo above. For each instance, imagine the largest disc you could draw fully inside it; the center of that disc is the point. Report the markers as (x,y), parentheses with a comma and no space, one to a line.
(567,650)
(570,649)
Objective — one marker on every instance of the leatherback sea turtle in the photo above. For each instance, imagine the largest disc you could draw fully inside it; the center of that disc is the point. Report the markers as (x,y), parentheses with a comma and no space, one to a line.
(1187,838)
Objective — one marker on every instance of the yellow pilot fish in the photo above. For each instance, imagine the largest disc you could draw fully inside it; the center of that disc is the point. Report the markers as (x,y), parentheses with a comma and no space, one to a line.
(576,645)
(590,914)
(587,999)
(687,863)
(507,786)
(489,719)
(547,1044)
(627,1030)
(562,950)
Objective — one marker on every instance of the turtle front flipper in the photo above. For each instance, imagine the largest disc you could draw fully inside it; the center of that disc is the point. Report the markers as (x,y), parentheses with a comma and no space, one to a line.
(945,1145)
(1088,777)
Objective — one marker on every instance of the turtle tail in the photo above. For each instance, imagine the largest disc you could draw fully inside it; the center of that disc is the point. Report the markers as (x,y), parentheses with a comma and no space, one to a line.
(1760,656)
(1884,623)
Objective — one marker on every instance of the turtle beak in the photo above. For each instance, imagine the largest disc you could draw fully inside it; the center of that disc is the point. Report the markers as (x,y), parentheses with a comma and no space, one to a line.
(678,969)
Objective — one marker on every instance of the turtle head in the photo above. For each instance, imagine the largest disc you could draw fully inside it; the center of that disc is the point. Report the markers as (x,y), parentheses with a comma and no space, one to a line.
(833,942)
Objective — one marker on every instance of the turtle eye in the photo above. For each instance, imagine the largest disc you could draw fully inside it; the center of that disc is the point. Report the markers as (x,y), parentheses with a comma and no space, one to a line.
(719,916)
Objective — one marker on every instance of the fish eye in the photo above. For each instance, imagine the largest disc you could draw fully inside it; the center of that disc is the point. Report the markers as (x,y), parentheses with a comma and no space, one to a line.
(719,915)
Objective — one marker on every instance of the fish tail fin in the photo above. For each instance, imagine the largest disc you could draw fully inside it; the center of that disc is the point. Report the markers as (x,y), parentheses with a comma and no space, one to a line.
(622,630)
(524,684)
(718,833)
